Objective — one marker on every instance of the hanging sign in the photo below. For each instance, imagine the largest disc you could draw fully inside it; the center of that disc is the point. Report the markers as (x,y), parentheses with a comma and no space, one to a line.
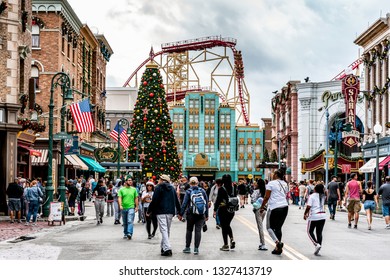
(350,90)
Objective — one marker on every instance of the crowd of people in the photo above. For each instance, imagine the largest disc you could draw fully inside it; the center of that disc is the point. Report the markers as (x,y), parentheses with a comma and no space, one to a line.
(156,204)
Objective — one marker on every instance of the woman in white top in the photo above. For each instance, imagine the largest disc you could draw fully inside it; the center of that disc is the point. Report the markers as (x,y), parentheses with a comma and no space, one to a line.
(316,216)
(275,196)
(146,200)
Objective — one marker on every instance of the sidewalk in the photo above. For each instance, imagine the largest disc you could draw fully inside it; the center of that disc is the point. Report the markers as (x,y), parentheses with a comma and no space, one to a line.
(16,230)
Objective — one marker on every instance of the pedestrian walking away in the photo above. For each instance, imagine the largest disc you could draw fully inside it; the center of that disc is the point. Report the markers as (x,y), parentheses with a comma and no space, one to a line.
(275,196)
(353,190)
(226,210)
(316,216)
(146,200)
(333,196)
(128,204)
(302,190)
(110,201)
(213,199)
(196,205)
(370,202)
(100,193)
(15,193)
(384,191)
(165,204)
(33,195)
(118,212)
(257,198)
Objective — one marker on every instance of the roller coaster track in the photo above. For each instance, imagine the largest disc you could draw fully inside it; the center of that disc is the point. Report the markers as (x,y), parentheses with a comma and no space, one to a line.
(202,44)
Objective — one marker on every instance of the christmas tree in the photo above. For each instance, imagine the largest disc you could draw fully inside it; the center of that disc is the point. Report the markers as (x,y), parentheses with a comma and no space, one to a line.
(152,141)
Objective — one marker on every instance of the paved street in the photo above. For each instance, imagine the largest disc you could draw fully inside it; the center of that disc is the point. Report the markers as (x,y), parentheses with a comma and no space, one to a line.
(85,241)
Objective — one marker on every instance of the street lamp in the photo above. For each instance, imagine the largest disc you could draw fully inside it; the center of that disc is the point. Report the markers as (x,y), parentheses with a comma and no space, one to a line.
(119,123)
(327,147)
(253,163)
(60,79)
(377,131)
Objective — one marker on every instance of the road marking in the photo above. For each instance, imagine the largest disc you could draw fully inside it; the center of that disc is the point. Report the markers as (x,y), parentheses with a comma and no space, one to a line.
(289,252)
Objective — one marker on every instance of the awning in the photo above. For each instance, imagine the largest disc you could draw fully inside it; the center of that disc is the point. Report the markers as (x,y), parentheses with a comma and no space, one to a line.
(384,162)
(93,165)
(76,162)
(369,166)
(32,151)
(42,160)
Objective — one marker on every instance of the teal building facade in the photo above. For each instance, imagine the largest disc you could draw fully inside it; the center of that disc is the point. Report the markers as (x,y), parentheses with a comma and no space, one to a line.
(209,142)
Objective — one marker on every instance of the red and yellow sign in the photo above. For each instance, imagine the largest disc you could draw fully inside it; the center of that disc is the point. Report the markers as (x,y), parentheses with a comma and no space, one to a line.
(350,90)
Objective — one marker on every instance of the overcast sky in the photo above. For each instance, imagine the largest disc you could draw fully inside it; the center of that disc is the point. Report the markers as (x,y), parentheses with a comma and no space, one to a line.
(280,40)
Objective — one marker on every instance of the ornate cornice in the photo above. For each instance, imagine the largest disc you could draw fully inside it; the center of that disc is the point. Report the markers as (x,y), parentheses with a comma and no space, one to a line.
(59,6)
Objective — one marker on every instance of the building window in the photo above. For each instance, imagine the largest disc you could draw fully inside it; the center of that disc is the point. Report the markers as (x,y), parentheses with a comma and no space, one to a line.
(35,36)
(227,118)
(222,149)
(212,133)
(227,133)
(223,118)
(181,133)
(206,119)
(222,133)
(240,148)
(227,149)
(228,164)
(249,164)
(241,164)
(212,118)
(35,75)
(207,133)
(191,133)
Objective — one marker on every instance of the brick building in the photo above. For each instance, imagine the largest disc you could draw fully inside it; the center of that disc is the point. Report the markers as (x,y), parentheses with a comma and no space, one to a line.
(15,65)
(285,127)
(61,43)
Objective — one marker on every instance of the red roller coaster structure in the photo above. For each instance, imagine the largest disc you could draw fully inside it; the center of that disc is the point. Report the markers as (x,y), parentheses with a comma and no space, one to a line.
(181,76)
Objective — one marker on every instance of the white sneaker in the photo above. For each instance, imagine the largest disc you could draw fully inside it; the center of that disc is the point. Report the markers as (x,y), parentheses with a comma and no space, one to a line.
(317,250)
(387,226)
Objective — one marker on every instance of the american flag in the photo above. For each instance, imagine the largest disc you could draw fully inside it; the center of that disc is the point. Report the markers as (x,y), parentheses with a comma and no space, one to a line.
(82,116)
(124,140)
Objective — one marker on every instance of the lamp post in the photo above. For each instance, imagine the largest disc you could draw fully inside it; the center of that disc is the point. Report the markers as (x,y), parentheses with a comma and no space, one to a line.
(327,147)
(253,163)
(119,123)
(377,131)
(278,150)
(60,79)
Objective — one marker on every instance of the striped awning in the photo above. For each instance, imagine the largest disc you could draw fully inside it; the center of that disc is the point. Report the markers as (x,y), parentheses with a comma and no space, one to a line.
(42,160)
(76,162)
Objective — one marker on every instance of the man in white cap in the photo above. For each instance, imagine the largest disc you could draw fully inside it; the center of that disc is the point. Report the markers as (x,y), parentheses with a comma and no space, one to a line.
(164,205)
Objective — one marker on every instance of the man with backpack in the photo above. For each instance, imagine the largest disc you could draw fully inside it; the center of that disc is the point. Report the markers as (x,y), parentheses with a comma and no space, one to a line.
(195,204)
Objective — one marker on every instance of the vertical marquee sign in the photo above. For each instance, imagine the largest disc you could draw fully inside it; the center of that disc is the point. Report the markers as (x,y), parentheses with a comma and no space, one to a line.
(350,90)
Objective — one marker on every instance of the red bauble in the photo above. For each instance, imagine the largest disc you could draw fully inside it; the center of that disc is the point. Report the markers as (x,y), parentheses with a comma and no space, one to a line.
(164,151)
(172,168)
(145,119)
(135,148)
(151,159)
(162,168)
(161,86)
(154,177)
(151,94)
(158,153)
(145,83)
(157,129)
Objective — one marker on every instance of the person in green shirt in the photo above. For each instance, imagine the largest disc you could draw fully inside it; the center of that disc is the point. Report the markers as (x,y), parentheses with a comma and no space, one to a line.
(128,204)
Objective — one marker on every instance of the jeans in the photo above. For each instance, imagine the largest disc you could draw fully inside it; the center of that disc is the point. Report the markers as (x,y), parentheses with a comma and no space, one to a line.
(128,220)
(118,213)
(301,201)
(196,221)
(110,208)
(332,204)
(217,221)
(32,209)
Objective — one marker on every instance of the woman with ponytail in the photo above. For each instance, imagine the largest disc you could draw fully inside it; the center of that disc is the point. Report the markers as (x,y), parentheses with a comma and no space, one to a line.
(316,216)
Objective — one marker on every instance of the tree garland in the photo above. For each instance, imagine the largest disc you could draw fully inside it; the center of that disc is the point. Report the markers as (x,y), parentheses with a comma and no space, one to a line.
(28,124)
(375,54)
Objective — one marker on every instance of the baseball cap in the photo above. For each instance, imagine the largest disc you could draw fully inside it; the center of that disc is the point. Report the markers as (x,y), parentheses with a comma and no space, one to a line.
(194,180)
(165,177)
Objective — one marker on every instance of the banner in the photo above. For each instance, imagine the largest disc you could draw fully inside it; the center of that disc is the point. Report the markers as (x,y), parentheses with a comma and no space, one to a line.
(350,90)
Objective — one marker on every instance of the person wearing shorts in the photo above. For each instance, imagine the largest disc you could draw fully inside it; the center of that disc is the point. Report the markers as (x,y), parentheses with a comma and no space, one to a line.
(353,191)
(370,200)
(14,192)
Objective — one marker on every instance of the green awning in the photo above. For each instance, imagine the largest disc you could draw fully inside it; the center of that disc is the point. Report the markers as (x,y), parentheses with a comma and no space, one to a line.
(92,164)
